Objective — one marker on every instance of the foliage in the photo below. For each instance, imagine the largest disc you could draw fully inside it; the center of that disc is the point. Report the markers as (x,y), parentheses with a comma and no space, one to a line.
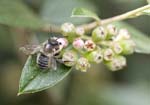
(34,79)
(82,12)
(14,13)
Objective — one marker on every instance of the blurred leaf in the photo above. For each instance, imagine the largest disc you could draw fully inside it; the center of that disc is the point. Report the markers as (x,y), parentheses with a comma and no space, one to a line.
(142,41)
(82,12)
(34,79)
(5,34)
(125,95)
(148,1)
(15,13)
(58,11)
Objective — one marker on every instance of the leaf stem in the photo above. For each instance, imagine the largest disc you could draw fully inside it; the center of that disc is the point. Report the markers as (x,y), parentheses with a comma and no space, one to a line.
(124,16)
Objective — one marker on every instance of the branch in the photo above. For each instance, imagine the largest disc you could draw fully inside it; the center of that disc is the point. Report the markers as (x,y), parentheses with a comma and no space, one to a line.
(50,28)
(88,27)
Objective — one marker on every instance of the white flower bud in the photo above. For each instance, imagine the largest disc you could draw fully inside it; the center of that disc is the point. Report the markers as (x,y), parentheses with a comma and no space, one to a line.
(112,30)
(95,56)
(99,34)
(116,63)
(122,35)
(69,58)
(67,29)
(117,48)
(89,45)
(82,64)
(108,54)
(78,43)
(80,31)
(128,46)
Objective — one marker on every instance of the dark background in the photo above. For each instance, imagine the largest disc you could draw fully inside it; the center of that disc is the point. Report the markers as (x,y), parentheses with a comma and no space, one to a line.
(98,86)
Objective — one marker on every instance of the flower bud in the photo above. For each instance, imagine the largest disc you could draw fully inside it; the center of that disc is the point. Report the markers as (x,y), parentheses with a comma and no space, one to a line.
(79,31)
(108,54)
(68,29)
(78,43)
(122,35)
(128,46)
(89,45)
(69,58)
(63,42)
(99,34)
(82,64)
(95,56)
(117,48)
(112,31)
(117,63)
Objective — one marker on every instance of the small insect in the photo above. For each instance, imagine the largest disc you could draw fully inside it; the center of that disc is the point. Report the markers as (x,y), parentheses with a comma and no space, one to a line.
(46,53)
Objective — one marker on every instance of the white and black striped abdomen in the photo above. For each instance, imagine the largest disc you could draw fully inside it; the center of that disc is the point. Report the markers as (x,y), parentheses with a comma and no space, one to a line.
(42,61)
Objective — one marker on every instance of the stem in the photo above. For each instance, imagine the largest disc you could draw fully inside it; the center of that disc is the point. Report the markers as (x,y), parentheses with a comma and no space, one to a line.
(88,27)
(51,28)
(126,15)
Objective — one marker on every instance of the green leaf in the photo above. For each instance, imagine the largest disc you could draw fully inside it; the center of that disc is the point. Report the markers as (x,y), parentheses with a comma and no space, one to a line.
(15,13)
(82,12)
(142,41)
(34,79)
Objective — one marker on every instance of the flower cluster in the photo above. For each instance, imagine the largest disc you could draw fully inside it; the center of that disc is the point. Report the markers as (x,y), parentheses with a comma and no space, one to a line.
(106,44)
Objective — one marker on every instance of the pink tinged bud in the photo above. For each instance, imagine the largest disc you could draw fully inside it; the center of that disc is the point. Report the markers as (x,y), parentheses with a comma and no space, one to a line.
(80,31)
(123,34)
(78,43)
(108,54)
(117,63)
(63,42)
(89,45)
(82,64)
(69,58)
